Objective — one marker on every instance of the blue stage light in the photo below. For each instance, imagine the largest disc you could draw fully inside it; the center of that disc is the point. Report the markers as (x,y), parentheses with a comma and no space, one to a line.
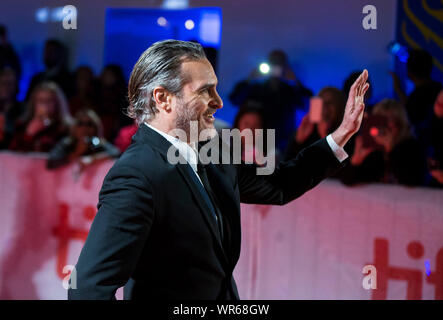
(399,50)
(42,15)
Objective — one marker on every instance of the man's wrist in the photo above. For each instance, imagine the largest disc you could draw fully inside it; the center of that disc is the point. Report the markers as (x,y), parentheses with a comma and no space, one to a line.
(338,151)
(341,136)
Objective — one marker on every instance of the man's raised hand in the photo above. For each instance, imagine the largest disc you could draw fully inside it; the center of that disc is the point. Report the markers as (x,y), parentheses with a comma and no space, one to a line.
(354,110)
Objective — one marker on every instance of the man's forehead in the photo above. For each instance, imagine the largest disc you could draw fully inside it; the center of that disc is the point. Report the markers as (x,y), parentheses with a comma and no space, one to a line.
(199,73)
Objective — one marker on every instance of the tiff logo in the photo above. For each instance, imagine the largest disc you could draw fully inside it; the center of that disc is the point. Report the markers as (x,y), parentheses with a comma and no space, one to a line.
(413,277)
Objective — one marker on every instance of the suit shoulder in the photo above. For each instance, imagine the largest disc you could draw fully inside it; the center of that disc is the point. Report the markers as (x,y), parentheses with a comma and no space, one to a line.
(140,158)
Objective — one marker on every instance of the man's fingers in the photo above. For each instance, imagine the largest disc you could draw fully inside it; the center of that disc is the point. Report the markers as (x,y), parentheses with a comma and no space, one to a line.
(353,90)
(360,82)
(359,90)
(358,98)
(366,74)
(357,87)
(364,85)
(365,88)
(363,77)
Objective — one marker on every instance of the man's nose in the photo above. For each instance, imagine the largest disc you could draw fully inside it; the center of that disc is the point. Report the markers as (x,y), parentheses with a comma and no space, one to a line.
(217,101)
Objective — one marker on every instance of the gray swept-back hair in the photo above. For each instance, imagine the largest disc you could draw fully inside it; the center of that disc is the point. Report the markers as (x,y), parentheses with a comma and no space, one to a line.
(159,65)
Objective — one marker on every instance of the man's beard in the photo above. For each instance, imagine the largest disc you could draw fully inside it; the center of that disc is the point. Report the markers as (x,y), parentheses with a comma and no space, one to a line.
(189,118)
(185,114)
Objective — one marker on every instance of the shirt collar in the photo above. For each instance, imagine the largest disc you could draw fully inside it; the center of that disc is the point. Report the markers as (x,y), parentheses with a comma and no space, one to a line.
(189,153)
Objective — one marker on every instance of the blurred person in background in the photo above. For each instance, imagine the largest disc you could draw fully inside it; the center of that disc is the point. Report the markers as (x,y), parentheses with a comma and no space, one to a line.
(435,162)
(251,117)
(124,136)
(308,132)
(280,91)
(8,56)
(398,157)
(85,143)
(10,109)
(55,58)
(85,91)
(112,101)
(45,121)
(419,104)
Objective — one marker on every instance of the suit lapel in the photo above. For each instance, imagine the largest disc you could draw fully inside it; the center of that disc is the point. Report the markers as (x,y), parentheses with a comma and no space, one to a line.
(223,190)
(202,200)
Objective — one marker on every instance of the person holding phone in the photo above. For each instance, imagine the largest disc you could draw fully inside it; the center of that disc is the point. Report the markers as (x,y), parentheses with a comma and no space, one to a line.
(324,116)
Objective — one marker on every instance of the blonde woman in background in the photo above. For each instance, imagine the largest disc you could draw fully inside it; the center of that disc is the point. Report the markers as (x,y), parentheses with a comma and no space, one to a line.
(45,122)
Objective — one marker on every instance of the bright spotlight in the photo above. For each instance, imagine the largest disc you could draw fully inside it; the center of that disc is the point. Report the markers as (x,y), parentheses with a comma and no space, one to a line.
(264,68)
(189,24)
(161,21)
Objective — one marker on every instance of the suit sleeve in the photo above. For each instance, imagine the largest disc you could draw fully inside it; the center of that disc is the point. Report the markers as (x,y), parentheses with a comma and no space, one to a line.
(291,178)
(117,235)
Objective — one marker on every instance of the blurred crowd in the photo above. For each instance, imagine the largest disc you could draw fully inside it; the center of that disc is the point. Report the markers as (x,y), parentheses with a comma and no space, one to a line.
(72,116)
(400,140)
(80,117)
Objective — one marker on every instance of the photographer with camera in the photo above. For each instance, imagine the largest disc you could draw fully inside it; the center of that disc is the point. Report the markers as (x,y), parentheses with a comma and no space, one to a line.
(385,150)
(85,144)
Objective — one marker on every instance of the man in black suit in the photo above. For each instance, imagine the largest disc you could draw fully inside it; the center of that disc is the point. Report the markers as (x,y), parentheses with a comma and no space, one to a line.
(172,231)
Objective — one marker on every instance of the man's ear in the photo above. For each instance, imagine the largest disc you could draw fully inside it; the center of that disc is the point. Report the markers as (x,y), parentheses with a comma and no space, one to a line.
(162,98)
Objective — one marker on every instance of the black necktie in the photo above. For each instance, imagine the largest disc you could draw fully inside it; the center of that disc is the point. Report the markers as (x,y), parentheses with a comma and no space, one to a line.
(201,171)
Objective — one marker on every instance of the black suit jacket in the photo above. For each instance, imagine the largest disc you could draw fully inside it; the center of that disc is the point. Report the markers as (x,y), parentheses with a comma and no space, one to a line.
(154,232)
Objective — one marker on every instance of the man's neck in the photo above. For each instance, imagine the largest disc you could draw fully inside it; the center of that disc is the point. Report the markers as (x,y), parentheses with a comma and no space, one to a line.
(160,126)
(167,129)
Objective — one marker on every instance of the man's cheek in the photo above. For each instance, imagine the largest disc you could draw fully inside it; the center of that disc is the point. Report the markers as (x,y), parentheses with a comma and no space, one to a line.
(202,106)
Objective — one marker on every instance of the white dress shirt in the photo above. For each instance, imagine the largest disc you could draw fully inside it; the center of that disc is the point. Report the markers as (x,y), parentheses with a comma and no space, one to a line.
(338,151)
(190,153)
